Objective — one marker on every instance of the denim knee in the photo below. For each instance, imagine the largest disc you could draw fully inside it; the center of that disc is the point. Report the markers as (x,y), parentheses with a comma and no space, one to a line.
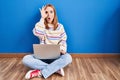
(67,58)
(26,60)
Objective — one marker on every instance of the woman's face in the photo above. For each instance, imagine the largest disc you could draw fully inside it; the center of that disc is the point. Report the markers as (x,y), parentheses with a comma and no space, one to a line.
(50,14)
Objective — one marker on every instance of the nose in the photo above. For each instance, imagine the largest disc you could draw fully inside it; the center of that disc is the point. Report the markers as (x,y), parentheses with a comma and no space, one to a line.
(48,14)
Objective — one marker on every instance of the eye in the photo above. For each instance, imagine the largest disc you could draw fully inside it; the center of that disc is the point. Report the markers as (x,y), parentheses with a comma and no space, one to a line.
(51,11)
(46,12)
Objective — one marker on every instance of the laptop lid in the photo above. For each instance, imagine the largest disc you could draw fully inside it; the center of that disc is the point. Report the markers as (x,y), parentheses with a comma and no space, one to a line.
(46,51)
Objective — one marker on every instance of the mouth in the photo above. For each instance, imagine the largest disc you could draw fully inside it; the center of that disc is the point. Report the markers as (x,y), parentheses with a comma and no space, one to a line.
(48,18)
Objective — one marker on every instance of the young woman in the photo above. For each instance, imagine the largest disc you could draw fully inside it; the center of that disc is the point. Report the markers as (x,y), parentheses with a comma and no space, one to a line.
(49,31)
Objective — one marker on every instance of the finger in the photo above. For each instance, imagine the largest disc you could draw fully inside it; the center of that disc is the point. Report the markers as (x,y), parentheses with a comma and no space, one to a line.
(43,7)
(40,9)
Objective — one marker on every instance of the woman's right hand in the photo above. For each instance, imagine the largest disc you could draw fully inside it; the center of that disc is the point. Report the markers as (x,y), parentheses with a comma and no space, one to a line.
(43,12)
(42,37)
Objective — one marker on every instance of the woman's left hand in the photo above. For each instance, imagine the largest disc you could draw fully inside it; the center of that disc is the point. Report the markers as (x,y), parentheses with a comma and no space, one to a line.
(62,52)
(43,12)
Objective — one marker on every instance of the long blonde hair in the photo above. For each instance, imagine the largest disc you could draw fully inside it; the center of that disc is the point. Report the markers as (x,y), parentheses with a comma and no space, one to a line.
(55,20)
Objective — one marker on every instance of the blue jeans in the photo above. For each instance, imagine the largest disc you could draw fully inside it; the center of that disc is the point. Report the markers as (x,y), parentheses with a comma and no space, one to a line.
(47,69)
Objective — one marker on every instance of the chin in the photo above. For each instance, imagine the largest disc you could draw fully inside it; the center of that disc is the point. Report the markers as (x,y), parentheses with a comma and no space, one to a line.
(49,21)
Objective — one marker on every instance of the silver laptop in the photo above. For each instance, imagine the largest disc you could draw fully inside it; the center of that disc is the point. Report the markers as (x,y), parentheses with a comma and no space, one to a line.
(46,51)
